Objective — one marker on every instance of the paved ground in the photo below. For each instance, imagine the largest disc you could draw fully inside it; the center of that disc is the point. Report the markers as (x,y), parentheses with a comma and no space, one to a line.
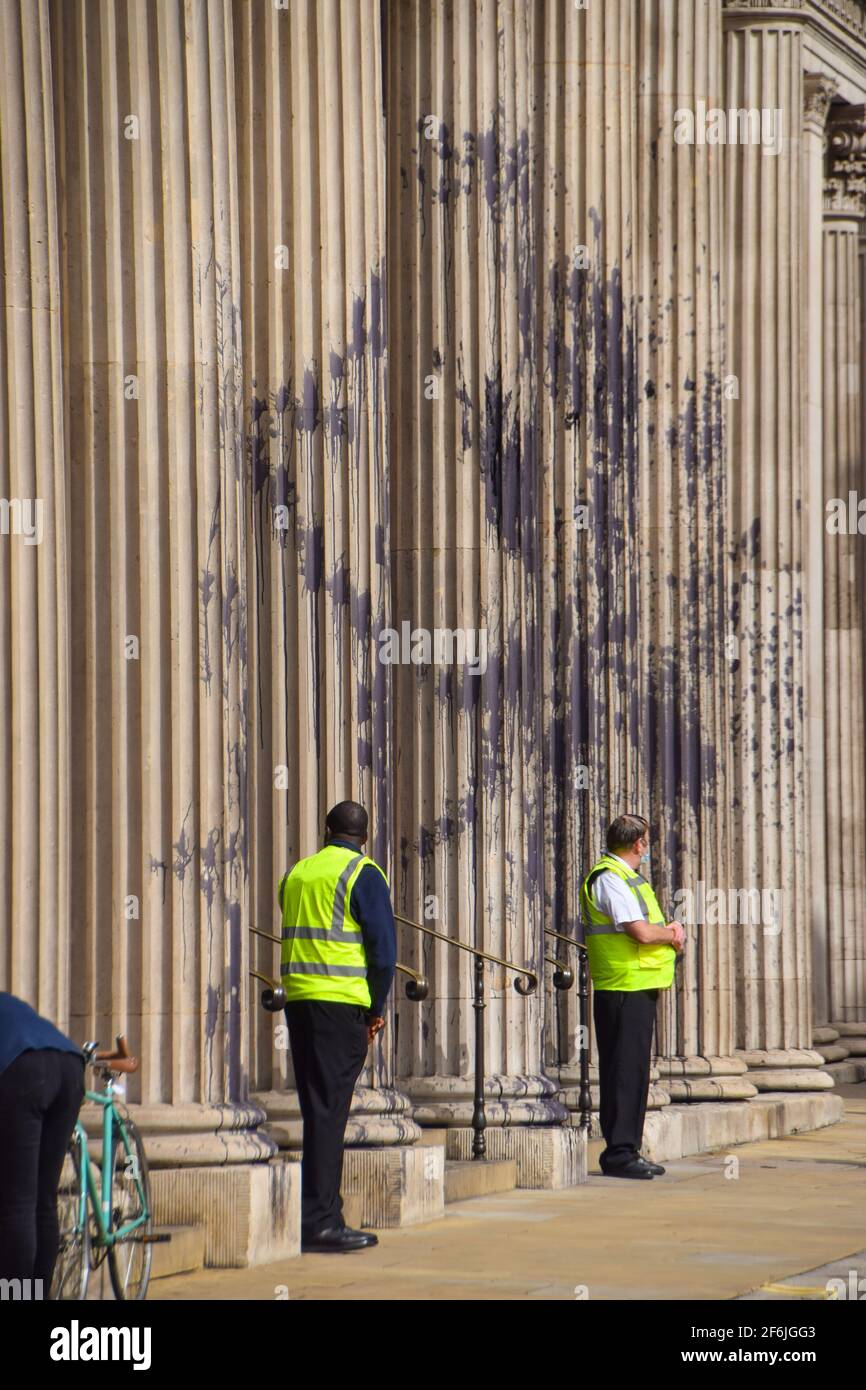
(719,1226)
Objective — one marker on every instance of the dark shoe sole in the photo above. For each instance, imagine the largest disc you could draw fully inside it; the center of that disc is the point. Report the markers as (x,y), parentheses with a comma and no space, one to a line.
(621,1173)
(337,1249)
(333,1249)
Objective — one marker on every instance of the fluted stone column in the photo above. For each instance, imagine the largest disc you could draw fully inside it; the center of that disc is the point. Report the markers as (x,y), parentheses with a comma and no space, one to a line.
(143,106)
(768,479)
(678,512)
(684,530)
(471,514)
(35,719)
(818,91)
(513,389)
(312,219)
(844,474)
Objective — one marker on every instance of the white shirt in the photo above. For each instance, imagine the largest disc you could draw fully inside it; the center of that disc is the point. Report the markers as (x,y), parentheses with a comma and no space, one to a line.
(615,899)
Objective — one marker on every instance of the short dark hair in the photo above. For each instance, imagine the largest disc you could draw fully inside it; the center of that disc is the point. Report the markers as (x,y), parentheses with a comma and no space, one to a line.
(622,832)
(347,818)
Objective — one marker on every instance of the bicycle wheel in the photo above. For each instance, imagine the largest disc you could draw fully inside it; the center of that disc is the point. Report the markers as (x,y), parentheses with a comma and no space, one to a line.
(129,1259)
(72,1267)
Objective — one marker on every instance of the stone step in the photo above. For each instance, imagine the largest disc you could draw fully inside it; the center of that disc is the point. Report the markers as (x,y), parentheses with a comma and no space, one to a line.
(465,1178)
(184,1252)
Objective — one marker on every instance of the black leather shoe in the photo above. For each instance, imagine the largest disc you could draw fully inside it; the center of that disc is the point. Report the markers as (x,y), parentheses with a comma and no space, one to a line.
(636,1168)
(337,1240)
(655,1168)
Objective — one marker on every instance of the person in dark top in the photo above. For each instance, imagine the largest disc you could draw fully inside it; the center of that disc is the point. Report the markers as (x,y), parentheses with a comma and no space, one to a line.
(41,1090)
(338,960)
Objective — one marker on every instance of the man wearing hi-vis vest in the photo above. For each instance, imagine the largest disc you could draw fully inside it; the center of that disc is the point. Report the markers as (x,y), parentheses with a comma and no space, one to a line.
(338,957)
(632,953)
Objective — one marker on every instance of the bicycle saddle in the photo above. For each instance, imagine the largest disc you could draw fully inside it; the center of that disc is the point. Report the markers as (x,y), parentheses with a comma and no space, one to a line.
(119,1060)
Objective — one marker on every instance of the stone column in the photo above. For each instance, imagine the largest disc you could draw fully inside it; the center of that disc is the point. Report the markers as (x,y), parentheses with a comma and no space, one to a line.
(818,90)
(845,801)
(678,513)
(312,234)
(684,532)
(144,113)
(35,722)
(768,479)
(469,535)
(514,388)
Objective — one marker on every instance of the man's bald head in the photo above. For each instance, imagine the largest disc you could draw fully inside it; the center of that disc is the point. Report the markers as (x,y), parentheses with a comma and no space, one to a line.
(347,821)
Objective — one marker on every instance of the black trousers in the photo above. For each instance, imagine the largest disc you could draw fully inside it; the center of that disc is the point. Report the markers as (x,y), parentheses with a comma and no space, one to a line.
(329,1049)
(624,1029)
(40,1096)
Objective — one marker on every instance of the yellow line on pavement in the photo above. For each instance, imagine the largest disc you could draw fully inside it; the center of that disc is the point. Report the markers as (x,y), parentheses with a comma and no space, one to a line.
(795,1289)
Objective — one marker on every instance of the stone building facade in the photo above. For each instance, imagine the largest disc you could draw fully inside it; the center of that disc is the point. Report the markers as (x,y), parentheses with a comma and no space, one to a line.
(528,324)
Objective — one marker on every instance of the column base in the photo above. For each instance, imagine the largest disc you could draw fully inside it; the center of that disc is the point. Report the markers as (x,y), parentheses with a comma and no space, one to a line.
(689,1079)
(787,1069)
(853,1037)
(190,1135)
(847,1064)
(378,1118)
(824,1035)
(831,1046)
(250,1213)
(657,1097)
(508,1100)
(550,1158)
(849,1072)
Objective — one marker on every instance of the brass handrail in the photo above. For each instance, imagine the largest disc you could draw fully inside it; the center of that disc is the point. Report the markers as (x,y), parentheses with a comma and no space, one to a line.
(524,988)
(274,996)
(572,941)
(563,975)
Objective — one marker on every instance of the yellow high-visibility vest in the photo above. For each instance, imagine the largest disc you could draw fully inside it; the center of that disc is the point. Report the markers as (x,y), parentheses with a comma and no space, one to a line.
(323,955)
(616,960)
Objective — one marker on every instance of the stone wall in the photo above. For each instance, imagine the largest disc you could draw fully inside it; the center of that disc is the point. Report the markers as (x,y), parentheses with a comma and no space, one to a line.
(325,318)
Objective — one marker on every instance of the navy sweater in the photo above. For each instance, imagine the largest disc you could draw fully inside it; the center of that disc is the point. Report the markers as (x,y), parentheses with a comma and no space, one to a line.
(22,1029)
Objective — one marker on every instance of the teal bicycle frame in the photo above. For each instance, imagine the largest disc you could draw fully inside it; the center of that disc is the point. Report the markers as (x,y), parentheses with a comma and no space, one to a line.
(101,1203)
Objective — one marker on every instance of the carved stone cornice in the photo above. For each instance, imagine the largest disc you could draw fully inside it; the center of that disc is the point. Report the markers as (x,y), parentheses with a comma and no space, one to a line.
(845,185)
(851,14)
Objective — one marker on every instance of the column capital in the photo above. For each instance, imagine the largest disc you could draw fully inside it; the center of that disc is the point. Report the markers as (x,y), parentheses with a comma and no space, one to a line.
(742,14)
(845,185)
(818,92)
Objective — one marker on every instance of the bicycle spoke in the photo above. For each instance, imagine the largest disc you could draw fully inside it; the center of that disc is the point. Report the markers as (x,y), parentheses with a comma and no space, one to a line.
(130,1258)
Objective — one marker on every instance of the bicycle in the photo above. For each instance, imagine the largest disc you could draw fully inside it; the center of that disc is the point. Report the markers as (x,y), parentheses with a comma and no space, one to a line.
(111,1218)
